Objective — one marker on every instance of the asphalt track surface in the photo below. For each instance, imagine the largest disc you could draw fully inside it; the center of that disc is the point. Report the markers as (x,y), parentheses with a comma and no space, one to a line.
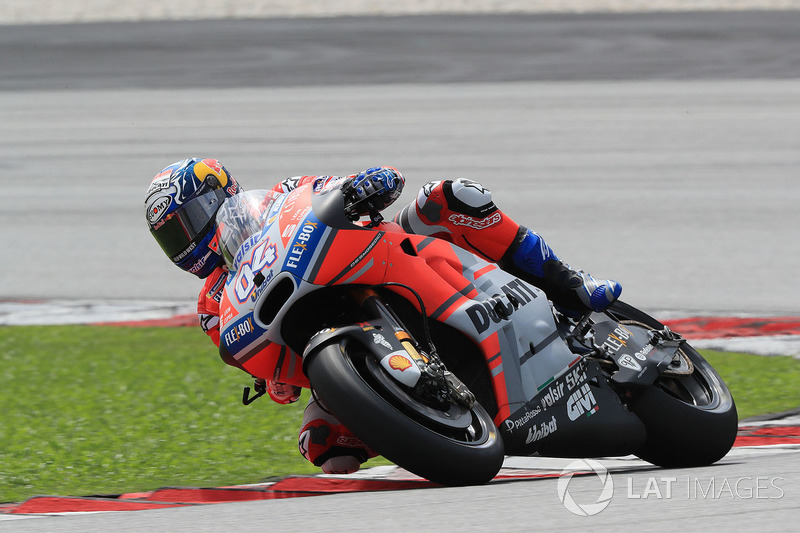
(661,150)
(758,493)
(349,51)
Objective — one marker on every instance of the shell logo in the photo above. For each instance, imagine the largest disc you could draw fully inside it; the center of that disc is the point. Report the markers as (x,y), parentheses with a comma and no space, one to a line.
(398,362)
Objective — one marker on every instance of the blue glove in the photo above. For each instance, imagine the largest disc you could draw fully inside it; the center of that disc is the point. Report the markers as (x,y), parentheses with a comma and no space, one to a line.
(373,190)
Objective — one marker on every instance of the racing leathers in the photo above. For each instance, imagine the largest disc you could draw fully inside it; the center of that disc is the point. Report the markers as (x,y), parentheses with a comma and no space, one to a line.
(460,211)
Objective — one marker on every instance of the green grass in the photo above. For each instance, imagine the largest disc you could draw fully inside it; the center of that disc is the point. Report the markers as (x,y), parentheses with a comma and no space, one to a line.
(759,385)
(96,410)
(104,410)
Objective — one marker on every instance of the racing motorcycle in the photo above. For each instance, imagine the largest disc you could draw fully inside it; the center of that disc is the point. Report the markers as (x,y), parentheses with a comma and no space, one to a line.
(444,363)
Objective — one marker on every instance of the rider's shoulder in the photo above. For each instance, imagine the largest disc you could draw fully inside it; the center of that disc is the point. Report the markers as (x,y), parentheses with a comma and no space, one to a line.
(215,281)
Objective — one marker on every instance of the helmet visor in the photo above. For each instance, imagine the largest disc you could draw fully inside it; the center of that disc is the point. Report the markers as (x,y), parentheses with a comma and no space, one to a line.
(180,228)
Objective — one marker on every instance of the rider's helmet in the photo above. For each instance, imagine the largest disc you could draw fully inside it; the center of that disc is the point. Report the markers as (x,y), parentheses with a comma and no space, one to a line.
(180,207)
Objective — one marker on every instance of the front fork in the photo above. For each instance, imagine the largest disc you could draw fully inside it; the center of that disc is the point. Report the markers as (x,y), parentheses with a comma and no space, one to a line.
(437,383)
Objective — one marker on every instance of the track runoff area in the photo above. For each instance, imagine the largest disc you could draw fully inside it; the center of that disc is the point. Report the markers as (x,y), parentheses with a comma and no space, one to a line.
(770,434)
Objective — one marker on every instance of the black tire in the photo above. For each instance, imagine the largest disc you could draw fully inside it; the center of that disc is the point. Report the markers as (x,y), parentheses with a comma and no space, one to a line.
(690,420)
(412,435)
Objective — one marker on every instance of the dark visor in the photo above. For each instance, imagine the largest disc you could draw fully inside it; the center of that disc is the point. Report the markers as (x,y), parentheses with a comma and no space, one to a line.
(180,228)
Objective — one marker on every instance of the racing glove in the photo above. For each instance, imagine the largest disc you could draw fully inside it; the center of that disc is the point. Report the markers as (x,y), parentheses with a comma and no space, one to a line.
(372,190)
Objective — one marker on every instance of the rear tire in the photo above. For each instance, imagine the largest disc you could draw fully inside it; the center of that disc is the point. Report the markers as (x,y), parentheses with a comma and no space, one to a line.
(389,420)
(691,420)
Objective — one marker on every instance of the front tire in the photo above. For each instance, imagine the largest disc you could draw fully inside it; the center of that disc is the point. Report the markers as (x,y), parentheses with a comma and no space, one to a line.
(396,425)
(691,420)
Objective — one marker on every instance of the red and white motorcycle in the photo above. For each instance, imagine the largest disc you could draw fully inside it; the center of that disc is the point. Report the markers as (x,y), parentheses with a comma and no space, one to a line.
(443,362)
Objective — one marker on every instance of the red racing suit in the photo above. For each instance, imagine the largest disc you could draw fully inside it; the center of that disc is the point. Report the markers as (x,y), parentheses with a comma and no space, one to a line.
(459,211)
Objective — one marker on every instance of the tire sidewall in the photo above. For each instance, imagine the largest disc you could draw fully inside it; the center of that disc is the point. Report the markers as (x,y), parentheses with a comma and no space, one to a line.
(392,433)
(680,434)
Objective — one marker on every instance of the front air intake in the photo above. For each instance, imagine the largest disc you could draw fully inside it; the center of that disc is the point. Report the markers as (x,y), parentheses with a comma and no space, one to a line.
(275,299)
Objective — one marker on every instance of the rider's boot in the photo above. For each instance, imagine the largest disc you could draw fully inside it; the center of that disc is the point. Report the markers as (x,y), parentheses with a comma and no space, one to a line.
(530,258)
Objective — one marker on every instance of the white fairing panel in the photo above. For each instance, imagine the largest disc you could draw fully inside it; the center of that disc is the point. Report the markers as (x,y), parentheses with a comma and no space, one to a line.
(521,316)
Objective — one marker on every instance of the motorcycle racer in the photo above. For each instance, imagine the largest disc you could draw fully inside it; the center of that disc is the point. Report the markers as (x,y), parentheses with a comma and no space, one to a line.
(180,207)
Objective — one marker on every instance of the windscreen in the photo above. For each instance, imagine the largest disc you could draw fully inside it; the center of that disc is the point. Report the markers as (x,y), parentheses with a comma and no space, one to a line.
(240,217)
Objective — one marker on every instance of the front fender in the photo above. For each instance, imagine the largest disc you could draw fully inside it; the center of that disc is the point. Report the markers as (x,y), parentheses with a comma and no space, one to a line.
(378,339)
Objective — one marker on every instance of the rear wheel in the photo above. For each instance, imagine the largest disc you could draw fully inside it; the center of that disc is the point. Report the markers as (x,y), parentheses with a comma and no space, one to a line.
(690,417)
(454,445)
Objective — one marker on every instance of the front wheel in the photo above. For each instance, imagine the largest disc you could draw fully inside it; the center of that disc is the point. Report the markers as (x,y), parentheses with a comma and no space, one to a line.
(454,446)
(691,419)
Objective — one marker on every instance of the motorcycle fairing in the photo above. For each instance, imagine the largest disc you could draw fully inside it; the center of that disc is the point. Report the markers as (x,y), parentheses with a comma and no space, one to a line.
(579,402)
(640,356)
(509,320)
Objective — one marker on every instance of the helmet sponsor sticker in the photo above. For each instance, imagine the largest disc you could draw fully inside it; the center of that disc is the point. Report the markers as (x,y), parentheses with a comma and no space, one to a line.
(158,208)
(200,263)
(211,167)
(160,183)
(184,253)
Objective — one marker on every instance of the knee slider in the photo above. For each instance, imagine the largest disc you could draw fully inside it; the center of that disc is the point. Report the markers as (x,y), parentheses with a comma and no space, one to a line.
(469,198)
(471,193)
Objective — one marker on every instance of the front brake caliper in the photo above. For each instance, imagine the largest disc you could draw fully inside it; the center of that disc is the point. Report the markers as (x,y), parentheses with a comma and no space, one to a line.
(460,391)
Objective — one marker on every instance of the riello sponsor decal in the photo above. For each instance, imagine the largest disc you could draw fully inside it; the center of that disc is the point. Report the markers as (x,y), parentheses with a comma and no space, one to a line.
(540,431)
